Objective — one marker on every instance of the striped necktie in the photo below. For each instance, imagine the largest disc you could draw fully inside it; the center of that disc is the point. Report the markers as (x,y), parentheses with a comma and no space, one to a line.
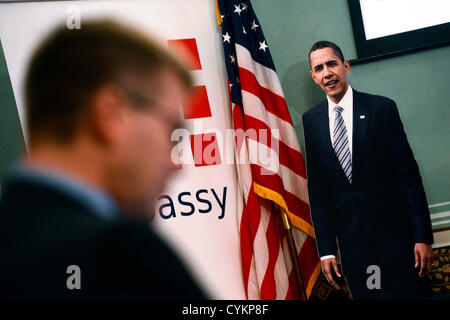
(340,144)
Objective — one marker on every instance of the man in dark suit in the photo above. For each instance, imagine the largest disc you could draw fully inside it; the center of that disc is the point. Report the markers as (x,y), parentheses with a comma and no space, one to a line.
(365,188)
(101,104)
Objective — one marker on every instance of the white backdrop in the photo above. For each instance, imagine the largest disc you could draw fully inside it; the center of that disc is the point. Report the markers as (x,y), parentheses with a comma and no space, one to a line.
(209,245)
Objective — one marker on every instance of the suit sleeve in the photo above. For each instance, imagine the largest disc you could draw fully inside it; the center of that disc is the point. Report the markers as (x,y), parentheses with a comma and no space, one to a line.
(408,175)
(318,200)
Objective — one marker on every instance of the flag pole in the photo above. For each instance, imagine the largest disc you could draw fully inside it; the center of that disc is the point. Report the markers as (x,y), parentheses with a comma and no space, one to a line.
(293,254)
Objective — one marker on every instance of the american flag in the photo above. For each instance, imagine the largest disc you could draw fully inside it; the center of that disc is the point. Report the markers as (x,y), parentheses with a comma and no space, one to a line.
(257,103)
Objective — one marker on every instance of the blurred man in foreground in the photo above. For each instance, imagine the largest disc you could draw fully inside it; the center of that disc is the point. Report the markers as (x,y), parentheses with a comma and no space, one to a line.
(101,104)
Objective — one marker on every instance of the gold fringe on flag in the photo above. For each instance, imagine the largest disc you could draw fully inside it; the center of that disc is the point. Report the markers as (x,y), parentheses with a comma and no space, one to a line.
(267,193)
(219,21)
(296,221)
(312,281)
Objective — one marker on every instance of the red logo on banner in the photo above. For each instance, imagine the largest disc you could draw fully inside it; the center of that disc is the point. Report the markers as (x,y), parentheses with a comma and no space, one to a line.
(187,48)
(204,147)
(198,105)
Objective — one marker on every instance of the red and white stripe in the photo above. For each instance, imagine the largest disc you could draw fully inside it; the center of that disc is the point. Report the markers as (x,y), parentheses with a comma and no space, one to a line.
(267,269)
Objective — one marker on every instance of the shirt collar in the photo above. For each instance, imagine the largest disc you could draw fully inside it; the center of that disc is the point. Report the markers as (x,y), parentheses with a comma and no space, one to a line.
(98,200)
(346,102)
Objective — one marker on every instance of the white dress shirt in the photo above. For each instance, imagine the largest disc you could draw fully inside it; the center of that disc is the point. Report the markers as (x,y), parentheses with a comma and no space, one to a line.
(346,104)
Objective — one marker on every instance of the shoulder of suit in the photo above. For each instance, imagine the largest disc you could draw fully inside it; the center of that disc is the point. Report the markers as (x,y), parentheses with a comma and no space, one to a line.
(130,233)
(139,244)
(126,227)
(316,109)
(372,99)
(139,260)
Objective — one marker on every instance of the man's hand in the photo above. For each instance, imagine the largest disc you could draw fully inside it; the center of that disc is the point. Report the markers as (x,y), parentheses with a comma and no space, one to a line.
(424,257)
(328,265)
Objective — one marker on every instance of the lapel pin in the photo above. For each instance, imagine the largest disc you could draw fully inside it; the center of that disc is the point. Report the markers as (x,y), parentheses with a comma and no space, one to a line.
(362,117)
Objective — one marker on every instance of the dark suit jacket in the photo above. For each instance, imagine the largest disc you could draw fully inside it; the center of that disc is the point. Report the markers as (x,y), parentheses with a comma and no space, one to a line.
(43,231)
(380,216)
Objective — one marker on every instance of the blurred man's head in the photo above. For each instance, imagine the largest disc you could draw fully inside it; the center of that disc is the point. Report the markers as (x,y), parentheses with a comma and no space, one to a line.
(102,102)
(329,69)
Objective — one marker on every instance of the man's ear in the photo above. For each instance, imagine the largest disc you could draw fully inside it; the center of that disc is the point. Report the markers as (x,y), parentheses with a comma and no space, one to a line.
(106,114)
(347,66)
(313,76)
